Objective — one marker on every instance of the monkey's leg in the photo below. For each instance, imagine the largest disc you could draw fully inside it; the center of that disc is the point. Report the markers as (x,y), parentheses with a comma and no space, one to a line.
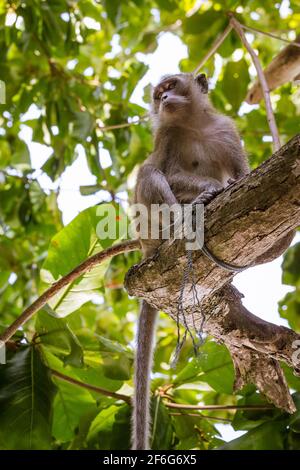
(189,188)
(143,364)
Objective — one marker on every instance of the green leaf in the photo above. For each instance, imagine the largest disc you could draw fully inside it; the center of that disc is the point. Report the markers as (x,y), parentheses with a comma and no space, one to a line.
(162,429)
(267,436)
(235,82)
(26,399)
(71,403)
(112,7)
(70,247)
(110,429)
(290,266)
(294,420)
(249,419)
(83,124)
(56,334)
(200,22)
(213,366)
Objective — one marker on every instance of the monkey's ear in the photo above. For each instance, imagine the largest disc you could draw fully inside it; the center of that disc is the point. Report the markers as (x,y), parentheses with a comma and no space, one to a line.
(202,82)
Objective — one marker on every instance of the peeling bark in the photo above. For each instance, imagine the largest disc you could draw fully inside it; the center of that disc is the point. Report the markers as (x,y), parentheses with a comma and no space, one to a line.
(284,68)
(244,225)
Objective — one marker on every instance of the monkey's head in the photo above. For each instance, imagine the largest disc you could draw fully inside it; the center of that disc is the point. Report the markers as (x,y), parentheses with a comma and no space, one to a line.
(179,96)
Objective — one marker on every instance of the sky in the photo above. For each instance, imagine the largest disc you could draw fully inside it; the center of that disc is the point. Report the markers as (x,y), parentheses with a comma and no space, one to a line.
(261,285)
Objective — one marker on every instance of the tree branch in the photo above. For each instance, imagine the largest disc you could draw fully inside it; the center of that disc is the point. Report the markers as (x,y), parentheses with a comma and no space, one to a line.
(244,226)
(123,124)
(84,267)
(264,86)
(218,407)
(213,48)
(93,388)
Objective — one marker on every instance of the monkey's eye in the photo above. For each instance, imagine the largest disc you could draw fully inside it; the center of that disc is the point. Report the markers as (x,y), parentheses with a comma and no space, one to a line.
(171,85)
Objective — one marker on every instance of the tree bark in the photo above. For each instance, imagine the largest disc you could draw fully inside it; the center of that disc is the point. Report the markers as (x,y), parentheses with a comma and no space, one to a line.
(284,68)
(244,226)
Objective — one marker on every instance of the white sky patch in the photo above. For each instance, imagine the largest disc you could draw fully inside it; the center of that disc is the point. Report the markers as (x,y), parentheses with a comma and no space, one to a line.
(218,67)
(12,278)
(247,108)
(65,17)
(91,23)
(72,64)
(70,201)
(33,113)
(254,16)
(227,432)
(250,37)
(267,138)
(39,153)
(105,159)
(88,72)
(284,9)
(10,19)
(237,55)
(262,288)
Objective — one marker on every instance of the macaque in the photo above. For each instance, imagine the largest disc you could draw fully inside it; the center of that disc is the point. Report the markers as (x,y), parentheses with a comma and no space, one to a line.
(197,153)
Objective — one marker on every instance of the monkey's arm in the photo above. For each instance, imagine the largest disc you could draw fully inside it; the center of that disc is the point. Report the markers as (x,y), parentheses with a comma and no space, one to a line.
(152,187)
(231,155)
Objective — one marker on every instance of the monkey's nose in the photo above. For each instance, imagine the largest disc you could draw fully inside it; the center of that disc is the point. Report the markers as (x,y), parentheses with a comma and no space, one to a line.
(164,97)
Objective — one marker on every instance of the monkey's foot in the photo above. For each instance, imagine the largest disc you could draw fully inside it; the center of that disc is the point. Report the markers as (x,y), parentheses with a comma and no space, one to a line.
(231,181)
(206,196)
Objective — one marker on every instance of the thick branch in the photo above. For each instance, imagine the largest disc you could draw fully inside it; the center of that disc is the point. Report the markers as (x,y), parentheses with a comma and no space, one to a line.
(242,225)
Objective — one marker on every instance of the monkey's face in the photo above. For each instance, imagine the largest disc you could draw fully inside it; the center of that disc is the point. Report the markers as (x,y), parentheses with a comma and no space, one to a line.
(176,95)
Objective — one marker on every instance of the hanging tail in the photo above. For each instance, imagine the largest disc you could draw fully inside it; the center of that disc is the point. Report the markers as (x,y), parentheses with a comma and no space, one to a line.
(143,364)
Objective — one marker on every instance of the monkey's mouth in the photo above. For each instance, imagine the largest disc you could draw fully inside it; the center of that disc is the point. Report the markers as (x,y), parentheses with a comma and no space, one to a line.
(172,105)
(169,107)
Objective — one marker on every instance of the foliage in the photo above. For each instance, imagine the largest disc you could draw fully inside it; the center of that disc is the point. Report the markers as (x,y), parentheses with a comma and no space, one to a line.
(70,68)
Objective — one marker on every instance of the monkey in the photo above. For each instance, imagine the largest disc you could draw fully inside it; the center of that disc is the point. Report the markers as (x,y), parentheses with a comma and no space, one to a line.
(197,153)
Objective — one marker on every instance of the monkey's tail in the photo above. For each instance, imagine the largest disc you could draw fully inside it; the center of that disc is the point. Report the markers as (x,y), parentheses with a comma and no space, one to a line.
(143,364)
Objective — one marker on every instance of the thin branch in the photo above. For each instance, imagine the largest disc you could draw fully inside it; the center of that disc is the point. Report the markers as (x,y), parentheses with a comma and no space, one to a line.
(270,115)
(93,388)
(214,48)
(219,407)
(271,35)
(198,415)
(122,125)
(82,268)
